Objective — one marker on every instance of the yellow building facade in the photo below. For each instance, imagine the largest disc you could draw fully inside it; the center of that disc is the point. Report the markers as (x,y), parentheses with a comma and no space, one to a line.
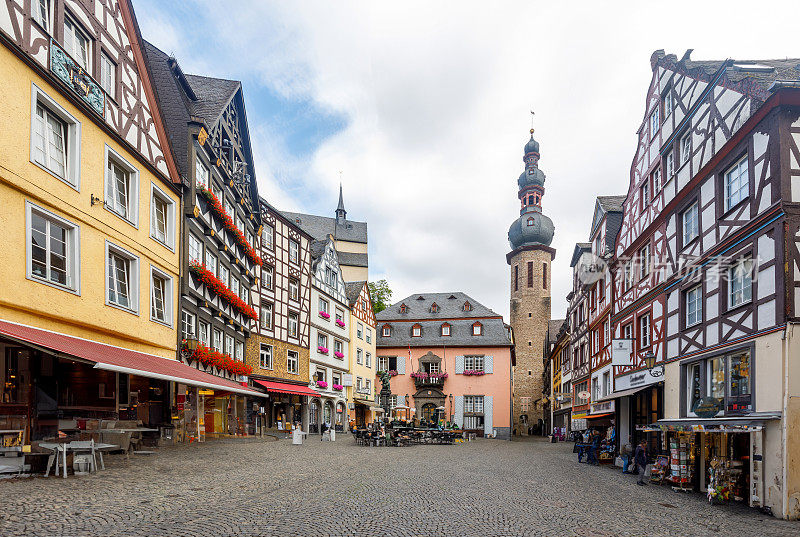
(362,393)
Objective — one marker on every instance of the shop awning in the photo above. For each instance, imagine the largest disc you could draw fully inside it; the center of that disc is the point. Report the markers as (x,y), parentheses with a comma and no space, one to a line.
(730,424)
(285,387)
(362,401)
(623,393)
(118,359)
(604,415)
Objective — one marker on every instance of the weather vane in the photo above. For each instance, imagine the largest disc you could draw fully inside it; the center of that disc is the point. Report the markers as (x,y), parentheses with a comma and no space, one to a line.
(532,114)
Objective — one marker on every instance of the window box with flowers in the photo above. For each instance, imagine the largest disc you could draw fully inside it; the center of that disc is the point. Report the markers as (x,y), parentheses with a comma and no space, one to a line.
(210,357)
(340,323)
(338,354)
(216,286)
(338,387)
(322,350)
(322,384)
(324,315)
(227,222)
(474,372)
(392,373)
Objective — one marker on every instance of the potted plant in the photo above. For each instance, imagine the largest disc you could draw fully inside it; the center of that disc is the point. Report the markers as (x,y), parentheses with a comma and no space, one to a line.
(322,384)
(338,354)
(338,387)
(324,315)
(322,350)
(340,322)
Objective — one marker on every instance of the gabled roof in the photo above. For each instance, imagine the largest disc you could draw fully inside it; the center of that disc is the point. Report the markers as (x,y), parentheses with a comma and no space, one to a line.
(611,208)
(451,306)
(353,291)
(580,248)
(553,328)
(213,96)
(321,226)
(611,203)
(317,249)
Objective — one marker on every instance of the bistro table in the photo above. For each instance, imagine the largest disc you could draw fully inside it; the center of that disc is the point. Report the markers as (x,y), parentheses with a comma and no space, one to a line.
(60,451)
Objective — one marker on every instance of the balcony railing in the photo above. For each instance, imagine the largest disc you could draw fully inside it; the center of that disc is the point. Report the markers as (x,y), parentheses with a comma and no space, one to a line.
(429,379)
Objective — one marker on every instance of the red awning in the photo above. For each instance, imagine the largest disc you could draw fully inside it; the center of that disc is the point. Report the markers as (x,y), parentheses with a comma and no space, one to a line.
(605,415)
(283,387)
(111,358)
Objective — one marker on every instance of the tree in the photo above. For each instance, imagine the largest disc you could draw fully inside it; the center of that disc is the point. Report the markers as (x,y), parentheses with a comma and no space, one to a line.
(381,295)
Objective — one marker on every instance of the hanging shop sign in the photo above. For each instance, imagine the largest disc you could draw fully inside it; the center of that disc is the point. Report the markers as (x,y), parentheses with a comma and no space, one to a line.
(622,352)
(78,80)
(347,379)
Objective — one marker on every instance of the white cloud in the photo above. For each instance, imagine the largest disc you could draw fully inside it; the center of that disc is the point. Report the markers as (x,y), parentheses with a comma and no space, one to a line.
(435,98)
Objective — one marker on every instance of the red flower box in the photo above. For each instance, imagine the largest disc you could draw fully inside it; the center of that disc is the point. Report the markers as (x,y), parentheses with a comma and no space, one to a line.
(227,223)
(207,356)
(216,286)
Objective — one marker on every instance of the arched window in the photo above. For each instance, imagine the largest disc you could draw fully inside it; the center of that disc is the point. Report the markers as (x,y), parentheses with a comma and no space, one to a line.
(416,330)
(530,221)
(387,330)
(477,329)
(445,329)
(403,308)
(434,308)
(467,306)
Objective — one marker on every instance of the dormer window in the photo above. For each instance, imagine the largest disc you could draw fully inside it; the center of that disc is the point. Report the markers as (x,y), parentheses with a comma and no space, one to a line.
(530,221)
(416,330)
(434,308)
(445,329)
(467,306)
(403,308)
(386,331)
(477,329)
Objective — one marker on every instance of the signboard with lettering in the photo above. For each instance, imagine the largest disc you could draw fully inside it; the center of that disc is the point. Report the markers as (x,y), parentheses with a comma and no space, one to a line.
(602,407)
(347,379)
(636,379)
(622,352)
(74,76)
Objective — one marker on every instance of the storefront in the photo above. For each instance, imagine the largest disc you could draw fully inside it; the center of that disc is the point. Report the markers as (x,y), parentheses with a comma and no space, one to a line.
(287,404)
(362,412)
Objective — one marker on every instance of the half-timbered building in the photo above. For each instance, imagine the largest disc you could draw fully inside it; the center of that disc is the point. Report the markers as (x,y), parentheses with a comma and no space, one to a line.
(577,308)
(362,392)
(329,340)
(208,134)
(278,346)
(705,282)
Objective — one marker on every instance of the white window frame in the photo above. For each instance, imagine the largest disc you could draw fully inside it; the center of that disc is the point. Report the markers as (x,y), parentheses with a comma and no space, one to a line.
(72,168)
(202,177)
(606,383)
(387,331)
(266,351)
(655,122)
(324,305)
(268,237)
(292,362)
(216,339)
(694,305)
(690,220)
(474,363)
(669,102)
(199,243)
(158,194)
(322,340)
(108,75)
(266,315)
(368,335)
(185,316)
(477,329)
(367,360)
(359,356)
(133,278)
(686,148)
(644,334)
(670,165)
(338,346)
(735,196)
(289,321)
(169,286)
(204,333)
(37,6)
(73,249)
(740,284)
(227,275)
(132,209)
(267,276)
(209,257)
(239,350)
(644,261)
(294,290)
(229,343)
(69,45)
(294,251)
(360,330)
(416,331)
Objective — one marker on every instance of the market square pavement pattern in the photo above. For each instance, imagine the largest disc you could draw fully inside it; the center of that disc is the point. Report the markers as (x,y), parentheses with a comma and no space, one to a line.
(254,487)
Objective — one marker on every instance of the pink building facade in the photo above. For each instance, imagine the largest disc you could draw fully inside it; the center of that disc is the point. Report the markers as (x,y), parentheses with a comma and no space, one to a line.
(450,358)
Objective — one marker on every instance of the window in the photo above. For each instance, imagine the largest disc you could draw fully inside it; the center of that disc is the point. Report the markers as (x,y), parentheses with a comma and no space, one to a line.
(368,388)
(240,224)
(122,274)
(530,273)
(108,75)
(434,308)
(239,351)
(265,356)
(467,306)
(336,378)
(516,278)
(740,282)
(387,363)
(338,346)
(53,252)
(122,187)
(477,329)
(606,383)
(211,262)
(445,329)
(292,361)
(416,331)
(224,275)
(403,308)
(654,123)
(387,331)
(595,389)
(473,363)
(229,345)
(686,148)
(668,102)
(41,13)
(195,249)
(359,356)
(368,360)
(644,261)
(187,324)
(266,316)
(690,223)
(360,330)
(656,178)
(55,138)
(324,306)
(230,208)
(76,43)
(293,322)
(330,276)
(694,305)
(627,331)
(737,184)
(160,296)
(235,286)
(359,382)
(200,173)
(473,412)
(644,191)
(267,274)
(267,236)
(694,387)
(628,275)
(204,333)
(294,252)
(322,340)
(217,340)
(724,381)
(670,163)
(340,316)
(294,289)
(544,275)
(368,336)
(217,191)
(644,331)
(162,217)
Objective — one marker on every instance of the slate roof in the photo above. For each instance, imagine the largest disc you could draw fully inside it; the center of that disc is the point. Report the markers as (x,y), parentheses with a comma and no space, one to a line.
(353,291)
(213,96)
(317,248)
(449,308)
(321,226)
(553,328)
(580,247)
(611,203)
(352,259)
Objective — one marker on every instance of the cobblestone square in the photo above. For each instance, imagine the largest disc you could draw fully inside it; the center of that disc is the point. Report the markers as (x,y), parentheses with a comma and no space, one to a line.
(252,487)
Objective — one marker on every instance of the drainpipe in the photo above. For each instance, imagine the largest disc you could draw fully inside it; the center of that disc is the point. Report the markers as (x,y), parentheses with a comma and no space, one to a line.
(784,417)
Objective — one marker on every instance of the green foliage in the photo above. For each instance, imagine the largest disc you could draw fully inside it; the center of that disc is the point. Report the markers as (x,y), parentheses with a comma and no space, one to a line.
(381,295)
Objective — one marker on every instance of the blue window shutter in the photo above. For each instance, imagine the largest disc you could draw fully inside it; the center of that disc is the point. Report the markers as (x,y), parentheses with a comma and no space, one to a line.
(459,409)
(459,365)
(401,400)
(401,365)
(487,415)
(488,364)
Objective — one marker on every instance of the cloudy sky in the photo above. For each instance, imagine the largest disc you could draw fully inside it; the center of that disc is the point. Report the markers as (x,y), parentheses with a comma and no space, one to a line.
(424,109)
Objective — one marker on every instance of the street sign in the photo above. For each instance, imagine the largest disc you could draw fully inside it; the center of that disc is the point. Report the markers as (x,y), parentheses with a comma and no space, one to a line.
(622,352)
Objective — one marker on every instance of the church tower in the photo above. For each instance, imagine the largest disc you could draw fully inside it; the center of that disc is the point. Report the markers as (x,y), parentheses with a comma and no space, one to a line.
(530,259)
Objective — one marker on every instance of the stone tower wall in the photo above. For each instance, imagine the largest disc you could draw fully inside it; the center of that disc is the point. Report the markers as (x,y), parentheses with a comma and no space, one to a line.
(529,315)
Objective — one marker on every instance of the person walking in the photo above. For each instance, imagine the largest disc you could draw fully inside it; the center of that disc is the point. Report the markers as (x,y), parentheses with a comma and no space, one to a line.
(626,452)
(640,457)
(594,447)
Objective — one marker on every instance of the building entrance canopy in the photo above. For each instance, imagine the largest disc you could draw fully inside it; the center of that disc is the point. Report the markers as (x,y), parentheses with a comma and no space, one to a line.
(118,359)
(284,387)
